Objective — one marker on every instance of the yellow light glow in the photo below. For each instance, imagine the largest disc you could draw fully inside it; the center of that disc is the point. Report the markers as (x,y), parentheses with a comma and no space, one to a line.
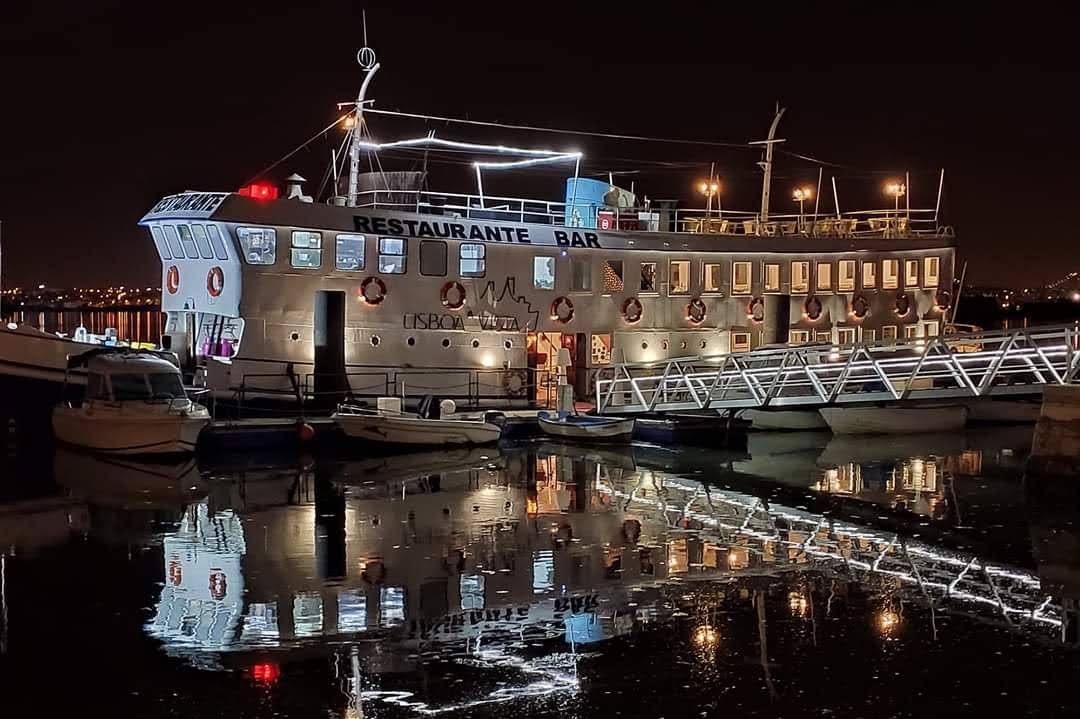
(887,621)
(703,187)
(798,604)
(488,360)
(705,637)
(801,194)
(350,122)
(895,189)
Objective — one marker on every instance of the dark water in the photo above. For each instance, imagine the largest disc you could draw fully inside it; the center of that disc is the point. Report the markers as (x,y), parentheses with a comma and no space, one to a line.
(805,577)
(138,325)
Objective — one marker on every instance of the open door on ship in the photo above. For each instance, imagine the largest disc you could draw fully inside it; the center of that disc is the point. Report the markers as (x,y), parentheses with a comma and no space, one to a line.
(330,382)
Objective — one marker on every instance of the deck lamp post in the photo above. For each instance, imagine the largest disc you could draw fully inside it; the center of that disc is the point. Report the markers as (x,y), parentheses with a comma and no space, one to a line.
(896,190)
(710,189)
(801,195)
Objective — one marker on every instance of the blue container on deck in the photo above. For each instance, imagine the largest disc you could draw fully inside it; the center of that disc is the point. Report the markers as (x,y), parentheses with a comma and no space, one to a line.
(581,208)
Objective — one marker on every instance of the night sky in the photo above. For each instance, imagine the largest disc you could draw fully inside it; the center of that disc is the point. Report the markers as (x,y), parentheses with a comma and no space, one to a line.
(107,106)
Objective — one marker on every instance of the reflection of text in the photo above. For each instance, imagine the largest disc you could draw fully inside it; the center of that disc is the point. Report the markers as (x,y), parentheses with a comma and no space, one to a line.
(489,619)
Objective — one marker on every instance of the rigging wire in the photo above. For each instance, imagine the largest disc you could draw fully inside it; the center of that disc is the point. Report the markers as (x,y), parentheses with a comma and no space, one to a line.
(307,142)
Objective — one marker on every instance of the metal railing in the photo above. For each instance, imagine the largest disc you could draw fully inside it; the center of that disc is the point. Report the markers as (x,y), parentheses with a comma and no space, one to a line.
(1010,362)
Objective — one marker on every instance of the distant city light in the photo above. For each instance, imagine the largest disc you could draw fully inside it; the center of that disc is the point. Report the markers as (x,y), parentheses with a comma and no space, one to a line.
(1075,297)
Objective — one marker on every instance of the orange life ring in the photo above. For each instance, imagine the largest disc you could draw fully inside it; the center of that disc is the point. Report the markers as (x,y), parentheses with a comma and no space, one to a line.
(903,304)
(695,311)
(557,310)
(172,279)
(444,295)
(755,309)
(812,307)
(215,281)
(379,286)
(632,310)
(860,306)
(218,585)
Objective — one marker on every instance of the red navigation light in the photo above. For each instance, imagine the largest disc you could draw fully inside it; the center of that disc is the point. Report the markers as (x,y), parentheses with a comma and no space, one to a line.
(266,673)
(259,190)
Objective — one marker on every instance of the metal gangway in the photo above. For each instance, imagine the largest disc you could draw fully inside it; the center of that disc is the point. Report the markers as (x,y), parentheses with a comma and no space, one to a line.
(981,364)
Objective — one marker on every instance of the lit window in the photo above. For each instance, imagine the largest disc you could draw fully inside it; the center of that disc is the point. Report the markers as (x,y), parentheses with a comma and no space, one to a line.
(601,349)
(798,337)
(580,275)
(845,279)
(216,242)
(259,244)
(544,273)
(823,336)
(772,278)
(352,611)
(391,604)
(869,275)
(186,239)
(711,278)
(740,278)
(307,614)
(202,241)
(888,332)
(931,269)
(350,253)
(845,335)
(911,331)
(648,277)
(472,591)
(911,273)
(932,329)
(824,276)
(800,276)
(890,274)
(392,255)
(159,242)
(613,276)
(680,277)
(472,260)
(869,335)
(306,249)
(740,341)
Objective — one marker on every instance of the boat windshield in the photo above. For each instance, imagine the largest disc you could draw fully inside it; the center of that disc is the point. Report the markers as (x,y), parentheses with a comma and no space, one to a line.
(160,385)
(166,385)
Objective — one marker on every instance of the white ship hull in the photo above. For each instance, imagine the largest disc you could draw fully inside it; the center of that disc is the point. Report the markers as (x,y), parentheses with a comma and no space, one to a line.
(895,420)
(784,420)
(1002,411)
(114,431)
(403,429)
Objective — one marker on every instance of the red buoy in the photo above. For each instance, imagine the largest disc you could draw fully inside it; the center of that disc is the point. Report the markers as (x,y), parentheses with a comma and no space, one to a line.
(306,432)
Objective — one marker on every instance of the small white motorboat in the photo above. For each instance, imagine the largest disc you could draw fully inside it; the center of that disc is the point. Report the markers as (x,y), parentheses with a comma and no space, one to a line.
(135,403)
(785,420)
(895,420)
(435,423)
(586,426)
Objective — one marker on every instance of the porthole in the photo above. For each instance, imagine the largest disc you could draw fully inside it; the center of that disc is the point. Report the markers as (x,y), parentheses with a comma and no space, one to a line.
(508,344)
(446,342)
(664,345)
(682,345)
(295,336)
(411,341)
(644,345)
(375,340)
(475,344)
(704,344)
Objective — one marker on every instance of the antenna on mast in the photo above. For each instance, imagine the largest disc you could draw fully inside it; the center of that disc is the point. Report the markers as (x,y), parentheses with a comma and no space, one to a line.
(365,57)
(766,165)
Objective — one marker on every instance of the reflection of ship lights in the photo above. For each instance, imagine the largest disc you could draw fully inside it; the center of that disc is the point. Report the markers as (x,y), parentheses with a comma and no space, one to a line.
(888,621)
(266,673)
(798,604)
(706,637)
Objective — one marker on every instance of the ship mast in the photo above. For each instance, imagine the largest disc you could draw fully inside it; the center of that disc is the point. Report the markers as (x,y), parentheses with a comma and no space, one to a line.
(767,164)
(365,57)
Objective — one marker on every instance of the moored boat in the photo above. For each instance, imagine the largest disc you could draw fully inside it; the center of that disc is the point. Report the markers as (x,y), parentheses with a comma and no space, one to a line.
(585,426)
(135,403)
(427,427)
(895,420)
(784,420)
(1003,411)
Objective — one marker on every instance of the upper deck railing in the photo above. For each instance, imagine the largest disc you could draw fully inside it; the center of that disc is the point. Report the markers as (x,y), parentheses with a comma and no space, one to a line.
(916,223)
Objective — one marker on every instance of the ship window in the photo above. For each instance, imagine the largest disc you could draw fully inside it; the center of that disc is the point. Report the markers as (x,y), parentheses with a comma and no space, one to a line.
(845,281)
(216,242)
(772,278)
(259,244)
(648,277)
(159,242)
(823,336)
(740,278)
(191,251)
(890,274)
(824,276)
(845,335)
(888,332)
(544,273)
(798,337)
(613,276)
(869,335)
(911,331)
(580,275)
(601,349)
(392,255)
(679,277)
(472,259)
(433,258)
(800,276)
(931,271)
(911,273)
(306,249)
(350,253)
(869,275)
(174,242)
(740,341)
(711,280)
(203,242)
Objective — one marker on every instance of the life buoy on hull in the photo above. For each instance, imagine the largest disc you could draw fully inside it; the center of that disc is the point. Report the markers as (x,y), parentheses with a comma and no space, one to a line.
(562,310)
(695,311)
(372,290)
(452,296)
(215,281)
(632,310)
(172,279)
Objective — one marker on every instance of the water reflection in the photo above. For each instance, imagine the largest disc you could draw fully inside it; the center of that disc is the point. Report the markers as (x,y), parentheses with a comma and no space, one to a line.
(138,325)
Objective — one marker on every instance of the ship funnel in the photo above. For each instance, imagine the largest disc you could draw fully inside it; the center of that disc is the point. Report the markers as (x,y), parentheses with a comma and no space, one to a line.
(294,190)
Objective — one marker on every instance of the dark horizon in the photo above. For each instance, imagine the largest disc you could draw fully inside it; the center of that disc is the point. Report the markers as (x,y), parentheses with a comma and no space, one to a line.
(109,108)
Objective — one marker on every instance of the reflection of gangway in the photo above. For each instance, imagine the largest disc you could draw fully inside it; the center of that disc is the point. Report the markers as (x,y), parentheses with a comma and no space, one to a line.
(1010,362)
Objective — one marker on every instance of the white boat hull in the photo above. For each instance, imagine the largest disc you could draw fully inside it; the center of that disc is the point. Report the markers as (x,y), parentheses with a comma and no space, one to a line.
(622,429)
(134,434)
(391,429)
(1017,411)
(895,420)
(784,420)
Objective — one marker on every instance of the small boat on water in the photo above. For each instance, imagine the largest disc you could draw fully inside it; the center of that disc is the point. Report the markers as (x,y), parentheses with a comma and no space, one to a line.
(895,420)
(435,423)
(788,420)
(586,426)
(135,404)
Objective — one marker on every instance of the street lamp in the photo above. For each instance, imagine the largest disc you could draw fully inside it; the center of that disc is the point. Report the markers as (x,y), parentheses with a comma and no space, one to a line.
(710,188)
(801,195)
(896,190)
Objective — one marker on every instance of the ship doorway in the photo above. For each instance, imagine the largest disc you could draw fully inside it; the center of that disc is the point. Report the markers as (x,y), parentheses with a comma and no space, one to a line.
(543,349)
(329,381)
